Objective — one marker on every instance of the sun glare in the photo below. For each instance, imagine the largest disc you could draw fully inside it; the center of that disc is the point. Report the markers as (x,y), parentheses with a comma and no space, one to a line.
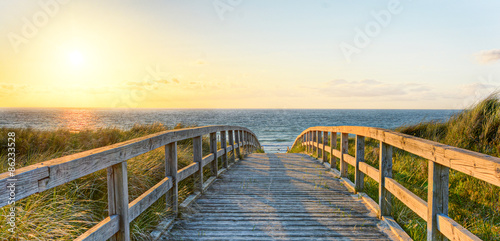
(76,58)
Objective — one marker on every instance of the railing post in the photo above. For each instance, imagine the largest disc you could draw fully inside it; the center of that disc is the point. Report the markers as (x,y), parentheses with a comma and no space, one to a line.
(237,140)
(359,178)
(118,199)
(214,166)
(325,140)
(333,146)
(385,165)
(320,150)
(437,198)
(223,144)
(344,148)
(314,139)
(171,172)
(307,142)
(231,142)
(197,156)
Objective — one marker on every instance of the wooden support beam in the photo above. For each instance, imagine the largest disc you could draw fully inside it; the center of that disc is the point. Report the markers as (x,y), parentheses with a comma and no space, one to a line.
(320,145)
(385,197)
(359,177)
(197,157)
(118,199)
(333,146)
(213,149)
(437,198)
(324,141)
(237,140)
(223,144)
(344,148)
(231,143)
(172,197)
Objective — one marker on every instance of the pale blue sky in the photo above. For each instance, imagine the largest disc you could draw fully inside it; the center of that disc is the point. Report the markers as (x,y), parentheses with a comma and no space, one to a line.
(257,54)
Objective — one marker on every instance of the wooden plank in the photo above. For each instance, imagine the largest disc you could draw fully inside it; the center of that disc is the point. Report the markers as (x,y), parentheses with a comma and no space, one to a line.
(370,171)
(187,171)
(323,148)
(349,159)
(237,143)
(396,229)
(207,159)
(320,145)
(26,182)
(385,197)
(344,141)
(141,203)
(454,231)
(437,197)
(172,196)
(411,200)
(223,154)
(231,146)
(197,157)
(359,177)
(333,148)
(118,199)
(102,231)
(213,149)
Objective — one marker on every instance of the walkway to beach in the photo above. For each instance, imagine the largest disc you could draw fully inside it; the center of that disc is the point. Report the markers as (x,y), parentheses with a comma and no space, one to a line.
(277,197)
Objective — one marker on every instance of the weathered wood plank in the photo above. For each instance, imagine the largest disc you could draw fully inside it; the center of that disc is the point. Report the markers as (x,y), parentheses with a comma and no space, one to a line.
(344,142)
(197,157)
(333,149)
(223,153)
(213,149)
(437,197)
(369,171)
(454,231)
(187,171)
(411,200)
(207,159)
(141,203)
(385,197)
(396,229)
(172,196)
(102,231)
(359,177)
(118,199)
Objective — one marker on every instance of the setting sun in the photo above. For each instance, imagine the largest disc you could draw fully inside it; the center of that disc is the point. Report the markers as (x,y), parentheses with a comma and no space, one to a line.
(76,58)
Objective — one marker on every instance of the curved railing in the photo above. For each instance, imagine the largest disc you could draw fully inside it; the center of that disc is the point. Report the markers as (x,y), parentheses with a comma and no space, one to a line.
(42,176)
(440,157)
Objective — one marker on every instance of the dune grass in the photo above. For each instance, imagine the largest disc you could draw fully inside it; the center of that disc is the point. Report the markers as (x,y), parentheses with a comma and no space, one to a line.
(473,203)
(66,211)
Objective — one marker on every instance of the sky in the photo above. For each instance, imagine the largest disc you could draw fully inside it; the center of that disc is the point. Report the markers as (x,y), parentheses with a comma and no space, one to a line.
(314,54)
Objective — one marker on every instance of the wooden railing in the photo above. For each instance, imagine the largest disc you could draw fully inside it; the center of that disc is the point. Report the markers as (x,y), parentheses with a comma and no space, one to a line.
(42,176)
(440,157)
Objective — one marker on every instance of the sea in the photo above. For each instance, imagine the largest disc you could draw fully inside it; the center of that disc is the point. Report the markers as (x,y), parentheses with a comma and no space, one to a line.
(276,129)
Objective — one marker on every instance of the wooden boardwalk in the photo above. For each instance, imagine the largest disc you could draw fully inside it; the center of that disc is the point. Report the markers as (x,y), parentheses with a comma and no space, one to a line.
(277,197)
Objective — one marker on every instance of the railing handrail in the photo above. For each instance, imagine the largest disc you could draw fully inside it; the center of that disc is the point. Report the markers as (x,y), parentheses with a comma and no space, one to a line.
(441,157)
(49,174)
(478,165)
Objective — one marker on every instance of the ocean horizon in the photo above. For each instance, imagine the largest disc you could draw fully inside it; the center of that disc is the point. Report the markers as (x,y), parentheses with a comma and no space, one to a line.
(276,129)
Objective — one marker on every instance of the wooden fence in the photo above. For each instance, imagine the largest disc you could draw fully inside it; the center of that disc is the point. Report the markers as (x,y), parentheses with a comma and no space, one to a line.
(440,157)
(45,175)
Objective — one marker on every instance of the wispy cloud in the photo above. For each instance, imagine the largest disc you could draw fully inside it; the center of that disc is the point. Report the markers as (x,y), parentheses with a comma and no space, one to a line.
(368,88)
(488,56)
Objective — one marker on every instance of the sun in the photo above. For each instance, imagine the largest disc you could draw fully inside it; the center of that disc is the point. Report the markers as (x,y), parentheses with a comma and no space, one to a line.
(76,58)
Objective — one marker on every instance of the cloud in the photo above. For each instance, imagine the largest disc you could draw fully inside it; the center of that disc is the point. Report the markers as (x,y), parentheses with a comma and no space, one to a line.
(368,88)
(200,62)
(488,56)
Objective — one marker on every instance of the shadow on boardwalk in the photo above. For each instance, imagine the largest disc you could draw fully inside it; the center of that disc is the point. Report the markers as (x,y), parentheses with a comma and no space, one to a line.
(277,197)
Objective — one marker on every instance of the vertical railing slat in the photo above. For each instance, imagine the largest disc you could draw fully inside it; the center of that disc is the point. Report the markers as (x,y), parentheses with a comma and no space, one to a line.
(325,141)
(320,150)
(171,171)
(197,157)
(344,142)
(237,140)
(385,165)
(118,198)
(359,177)
(223,144)
(214,166)
(333,146)
(231,142)
(437,198)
